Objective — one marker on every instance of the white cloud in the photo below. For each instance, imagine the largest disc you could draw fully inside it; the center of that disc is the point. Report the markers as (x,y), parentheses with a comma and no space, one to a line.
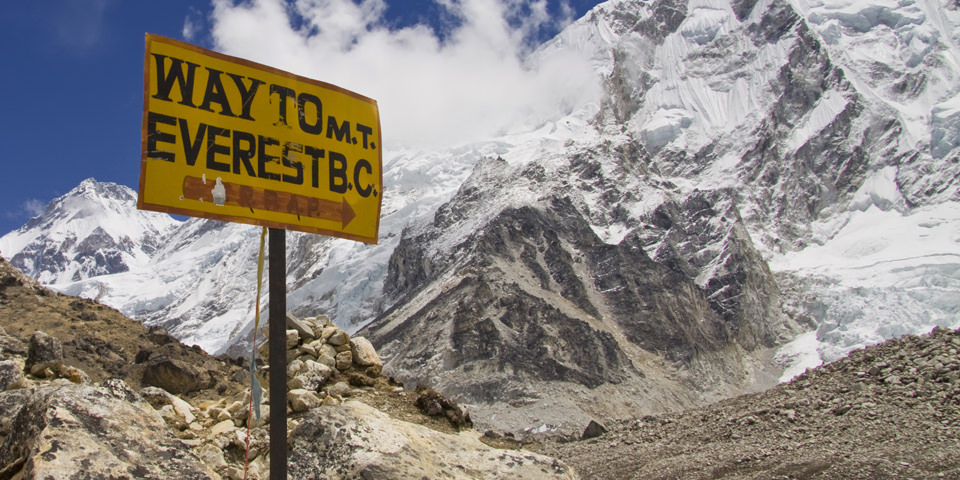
(472,84)
(189,28)
(34,207)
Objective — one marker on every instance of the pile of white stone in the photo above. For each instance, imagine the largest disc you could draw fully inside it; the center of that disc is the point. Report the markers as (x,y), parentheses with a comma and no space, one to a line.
(317,350)
(321,360)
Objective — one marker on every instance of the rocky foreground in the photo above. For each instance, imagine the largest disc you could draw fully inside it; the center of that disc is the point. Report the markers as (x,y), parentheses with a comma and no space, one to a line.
(100,396)
(887,411)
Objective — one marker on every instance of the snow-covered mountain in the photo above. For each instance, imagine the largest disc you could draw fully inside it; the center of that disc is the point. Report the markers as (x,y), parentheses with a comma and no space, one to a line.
(745,171)
(775,156)
(89,232)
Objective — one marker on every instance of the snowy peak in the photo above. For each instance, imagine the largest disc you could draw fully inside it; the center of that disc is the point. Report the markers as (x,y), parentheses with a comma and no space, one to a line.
(93,230)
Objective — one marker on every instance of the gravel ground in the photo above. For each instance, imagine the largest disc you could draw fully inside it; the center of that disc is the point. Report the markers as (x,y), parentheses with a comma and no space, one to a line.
(887,411)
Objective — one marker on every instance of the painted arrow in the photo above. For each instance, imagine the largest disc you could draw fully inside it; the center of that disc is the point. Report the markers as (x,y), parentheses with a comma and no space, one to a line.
(255,198)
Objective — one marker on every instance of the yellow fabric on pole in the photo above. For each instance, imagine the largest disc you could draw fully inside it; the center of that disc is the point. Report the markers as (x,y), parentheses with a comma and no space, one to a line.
(255,390)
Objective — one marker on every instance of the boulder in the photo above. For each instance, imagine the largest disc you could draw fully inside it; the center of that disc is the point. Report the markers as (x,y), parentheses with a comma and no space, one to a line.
(64,430)
(317,324)
(293,338)
(10,374)
(174,376)
(339,389)
(45,352)
(593,430)
(10,404)
(294,368)
(327,332)
(338,338)
(73,374)
(354,440)
(363,352)
(328,360)
(12,345)
(302,400)
(303,328)
(344,360)
(222,427)
(312,376)
(158,397)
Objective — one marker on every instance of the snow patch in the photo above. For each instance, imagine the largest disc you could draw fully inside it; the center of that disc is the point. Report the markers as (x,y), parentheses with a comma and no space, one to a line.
(798,355)
(945,127)
(827,108)
(663,127)
(611,234)
(879,190)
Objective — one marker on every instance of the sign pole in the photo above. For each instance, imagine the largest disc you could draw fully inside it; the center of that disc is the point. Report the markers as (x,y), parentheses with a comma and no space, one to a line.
(329,182)
(278,354)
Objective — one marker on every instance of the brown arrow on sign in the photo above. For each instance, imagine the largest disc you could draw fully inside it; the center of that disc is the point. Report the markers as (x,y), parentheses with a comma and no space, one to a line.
(255,198)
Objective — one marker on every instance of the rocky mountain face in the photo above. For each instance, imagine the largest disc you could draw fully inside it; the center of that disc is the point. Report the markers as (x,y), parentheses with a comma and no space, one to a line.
(534,304)
(630,269)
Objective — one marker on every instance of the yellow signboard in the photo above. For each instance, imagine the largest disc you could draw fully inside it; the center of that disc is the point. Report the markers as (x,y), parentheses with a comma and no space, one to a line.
(229,139)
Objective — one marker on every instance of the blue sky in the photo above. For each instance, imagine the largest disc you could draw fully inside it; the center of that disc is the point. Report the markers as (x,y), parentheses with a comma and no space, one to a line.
(73,71)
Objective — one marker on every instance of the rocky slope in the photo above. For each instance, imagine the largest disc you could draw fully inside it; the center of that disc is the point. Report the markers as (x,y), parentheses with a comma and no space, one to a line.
(79,403)
(887,411)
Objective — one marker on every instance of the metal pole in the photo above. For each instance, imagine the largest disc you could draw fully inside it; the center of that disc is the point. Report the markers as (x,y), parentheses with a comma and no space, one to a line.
(278,354)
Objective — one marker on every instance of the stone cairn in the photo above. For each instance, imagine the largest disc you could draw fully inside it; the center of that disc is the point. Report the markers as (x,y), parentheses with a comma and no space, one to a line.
(324,367)
(324,363)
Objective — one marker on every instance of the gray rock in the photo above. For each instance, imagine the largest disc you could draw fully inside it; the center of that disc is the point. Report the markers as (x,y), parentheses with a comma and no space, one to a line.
(64,430)
(356,441)
(327,360)
(303,328)
(339,389)
(293,338)
(311,376)
(593,430)
(11,402)
(363,352)
(12,345)
(338,338)
(302,400)
(44,352)
(10,374)
(344,360)
(174,375)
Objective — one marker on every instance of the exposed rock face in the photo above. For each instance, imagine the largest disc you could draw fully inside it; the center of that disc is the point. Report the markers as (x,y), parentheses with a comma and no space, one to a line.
(703,238)
(61,431)
(536,298)
(357,441)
